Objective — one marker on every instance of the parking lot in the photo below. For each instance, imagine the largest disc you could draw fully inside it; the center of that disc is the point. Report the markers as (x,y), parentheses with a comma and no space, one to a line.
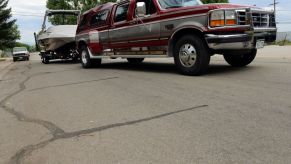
(146,113)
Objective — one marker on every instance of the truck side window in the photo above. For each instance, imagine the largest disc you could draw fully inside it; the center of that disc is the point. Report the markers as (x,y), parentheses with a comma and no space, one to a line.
(121,13)
(150,6)
(99,18)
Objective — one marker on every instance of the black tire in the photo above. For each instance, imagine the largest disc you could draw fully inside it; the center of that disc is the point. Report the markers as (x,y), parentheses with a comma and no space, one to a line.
(86,61)
(240,60)
(46,60)
(14,59)
(187,61)
(27,58)
(135,60)
(75,59)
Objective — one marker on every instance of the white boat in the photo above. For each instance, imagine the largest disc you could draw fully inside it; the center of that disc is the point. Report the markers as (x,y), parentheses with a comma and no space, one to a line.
(57,36)
(58,41)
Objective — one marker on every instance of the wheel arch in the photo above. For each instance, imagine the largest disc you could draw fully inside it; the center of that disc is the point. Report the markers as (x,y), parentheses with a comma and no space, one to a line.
(80,44)
(181,32)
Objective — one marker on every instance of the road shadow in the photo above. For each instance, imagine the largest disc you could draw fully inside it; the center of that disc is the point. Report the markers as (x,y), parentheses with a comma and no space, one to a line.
(59,61)
(142,67)
(170,68)
(215,69)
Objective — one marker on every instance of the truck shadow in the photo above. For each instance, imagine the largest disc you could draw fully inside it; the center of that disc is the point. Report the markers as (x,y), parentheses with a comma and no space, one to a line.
(170,68)
(159,67)
(226,69)
(64,62)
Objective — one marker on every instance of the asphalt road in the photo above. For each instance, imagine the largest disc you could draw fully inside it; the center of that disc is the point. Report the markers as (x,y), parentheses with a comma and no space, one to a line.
(148,113)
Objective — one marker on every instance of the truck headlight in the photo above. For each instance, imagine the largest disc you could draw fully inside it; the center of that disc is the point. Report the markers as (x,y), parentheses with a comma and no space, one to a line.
(217,18)
(222,18)
(230,17)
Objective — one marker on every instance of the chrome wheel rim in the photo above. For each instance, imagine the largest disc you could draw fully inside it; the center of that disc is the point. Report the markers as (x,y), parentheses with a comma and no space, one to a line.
(84,57)
(187,55)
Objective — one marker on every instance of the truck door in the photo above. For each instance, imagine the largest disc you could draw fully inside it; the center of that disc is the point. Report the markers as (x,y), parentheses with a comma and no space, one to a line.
(135,31)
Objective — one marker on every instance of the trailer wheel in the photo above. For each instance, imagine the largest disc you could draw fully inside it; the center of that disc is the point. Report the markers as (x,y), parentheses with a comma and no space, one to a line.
(191,55)
(135,60)
(46,60)
(240,60)
(86,61)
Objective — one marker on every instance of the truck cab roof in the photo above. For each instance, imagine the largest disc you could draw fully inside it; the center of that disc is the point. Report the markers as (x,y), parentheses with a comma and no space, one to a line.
(100,7)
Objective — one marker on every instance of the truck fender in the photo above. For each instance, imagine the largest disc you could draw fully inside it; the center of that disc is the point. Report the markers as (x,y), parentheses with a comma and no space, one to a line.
(182,31)
(94,42)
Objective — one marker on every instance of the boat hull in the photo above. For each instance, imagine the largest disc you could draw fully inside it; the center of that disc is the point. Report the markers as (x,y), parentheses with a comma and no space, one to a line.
(57,36)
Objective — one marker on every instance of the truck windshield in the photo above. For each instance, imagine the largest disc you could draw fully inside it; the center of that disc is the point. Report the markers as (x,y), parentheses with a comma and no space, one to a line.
(166,4)
(19,49)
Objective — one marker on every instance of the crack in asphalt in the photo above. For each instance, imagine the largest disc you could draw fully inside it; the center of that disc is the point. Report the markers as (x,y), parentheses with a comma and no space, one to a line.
(7,79)
(58,133)
(21,117)
(74,83)
(27,151)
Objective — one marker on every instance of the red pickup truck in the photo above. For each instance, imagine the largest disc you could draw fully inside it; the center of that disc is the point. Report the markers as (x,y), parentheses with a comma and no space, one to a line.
(187,30)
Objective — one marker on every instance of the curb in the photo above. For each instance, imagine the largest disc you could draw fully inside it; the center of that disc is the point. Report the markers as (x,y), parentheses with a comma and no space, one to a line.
(5,59)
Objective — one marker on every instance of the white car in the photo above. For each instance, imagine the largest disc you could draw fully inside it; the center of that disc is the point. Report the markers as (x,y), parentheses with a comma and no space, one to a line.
(20,52)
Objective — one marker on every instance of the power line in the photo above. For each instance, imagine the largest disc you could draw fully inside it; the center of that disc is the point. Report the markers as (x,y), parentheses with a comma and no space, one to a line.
(21,12)
(28,15)
(283,22)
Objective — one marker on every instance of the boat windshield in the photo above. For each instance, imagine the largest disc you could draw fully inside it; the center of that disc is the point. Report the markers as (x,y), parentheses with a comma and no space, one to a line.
(63,19)
(19,49)
(166,4)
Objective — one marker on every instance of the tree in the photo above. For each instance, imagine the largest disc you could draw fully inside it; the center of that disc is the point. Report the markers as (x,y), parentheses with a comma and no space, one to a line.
(28,47)
(82,5)
(85,5)
(62,5)
(8,29)
(214,1)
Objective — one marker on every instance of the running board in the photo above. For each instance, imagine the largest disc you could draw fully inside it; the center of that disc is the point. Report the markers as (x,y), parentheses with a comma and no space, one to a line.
(131,54)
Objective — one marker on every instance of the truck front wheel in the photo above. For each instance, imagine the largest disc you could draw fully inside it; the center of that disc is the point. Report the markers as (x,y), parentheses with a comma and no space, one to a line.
(240,60)
(86,61)
(191,55)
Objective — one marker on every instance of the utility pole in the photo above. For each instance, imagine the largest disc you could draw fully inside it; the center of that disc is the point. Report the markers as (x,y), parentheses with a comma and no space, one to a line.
(275,7)
(274,4)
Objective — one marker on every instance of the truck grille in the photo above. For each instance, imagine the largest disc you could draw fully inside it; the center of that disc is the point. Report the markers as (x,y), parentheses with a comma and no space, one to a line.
(259,19)
(241,18)
(16,55)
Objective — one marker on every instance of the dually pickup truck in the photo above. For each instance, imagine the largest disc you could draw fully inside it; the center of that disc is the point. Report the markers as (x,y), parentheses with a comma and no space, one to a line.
(187,30)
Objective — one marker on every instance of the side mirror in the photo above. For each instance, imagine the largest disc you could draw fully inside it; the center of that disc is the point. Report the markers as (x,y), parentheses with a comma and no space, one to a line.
(141,9)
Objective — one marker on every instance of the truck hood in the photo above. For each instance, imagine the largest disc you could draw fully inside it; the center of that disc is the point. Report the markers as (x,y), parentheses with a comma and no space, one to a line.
(207,7)
(225,6)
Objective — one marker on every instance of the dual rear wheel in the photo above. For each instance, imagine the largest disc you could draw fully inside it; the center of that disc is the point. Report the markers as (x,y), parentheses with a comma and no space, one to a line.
(86,61)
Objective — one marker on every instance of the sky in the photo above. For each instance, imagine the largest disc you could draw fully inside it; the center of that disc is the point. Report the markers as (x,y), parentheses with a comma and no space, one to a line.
(29,14)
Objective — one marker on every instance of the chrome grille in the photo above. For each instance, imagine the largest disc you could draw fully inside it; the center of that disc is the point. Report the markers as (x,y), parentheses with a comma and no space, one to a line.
(19,54)
(259,19)
(241,18)
(272,20)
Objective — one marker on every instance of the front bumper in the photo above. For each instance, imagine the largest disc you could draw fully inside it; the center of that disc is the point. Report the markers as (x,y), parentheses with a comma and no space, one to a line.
(240,41)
